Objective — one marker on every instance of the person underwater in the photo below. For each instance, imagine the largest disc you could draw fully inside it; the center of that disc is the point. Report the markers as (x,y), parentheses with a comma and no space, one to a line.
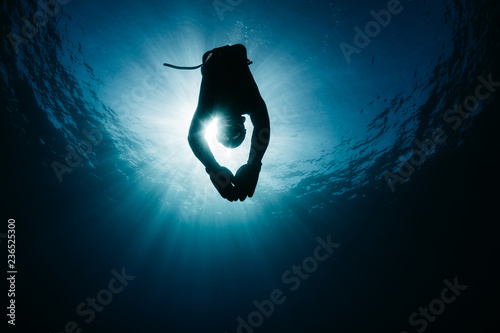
(228,91)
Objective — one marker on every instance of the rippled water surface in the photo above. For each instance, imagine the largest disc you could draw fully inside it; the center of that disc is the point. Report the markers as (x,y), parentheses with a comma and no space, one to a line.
(383,117)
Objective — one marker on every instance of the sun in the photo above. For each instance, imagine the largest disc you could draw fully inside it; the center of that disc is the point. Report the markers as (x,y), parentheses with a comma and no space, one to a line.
(211,131)
(230,158)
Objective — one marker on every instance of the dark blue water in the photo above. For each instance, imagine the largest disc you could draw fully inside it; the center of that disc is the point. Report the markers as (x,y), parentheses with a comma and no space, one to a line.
(377,193)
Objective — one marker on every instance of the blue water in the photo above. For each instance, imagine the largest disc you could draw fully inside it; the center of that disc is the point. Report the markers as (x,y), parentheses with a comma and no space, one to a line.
(349,115)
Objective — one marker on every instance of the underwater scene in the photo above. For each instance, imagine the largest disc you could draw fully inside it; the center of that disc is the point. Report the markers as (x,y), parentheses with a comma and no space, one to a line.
(233,166)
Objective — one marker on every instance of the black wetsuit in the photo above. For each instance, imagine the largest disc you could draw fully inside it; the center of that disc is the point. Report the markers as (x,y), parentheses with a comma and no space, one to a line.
(228,89)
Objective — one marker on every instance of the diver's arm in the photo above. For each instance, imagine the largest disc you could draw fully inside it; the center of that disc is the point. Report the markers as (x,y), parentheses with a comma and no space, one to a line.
(260,136)
(247,176)
(221,177)
(199,145)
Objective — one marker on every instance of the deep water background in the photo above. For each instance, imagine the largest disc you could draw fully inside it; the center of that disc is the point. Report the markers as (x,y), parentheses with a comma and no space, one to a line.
(141,200)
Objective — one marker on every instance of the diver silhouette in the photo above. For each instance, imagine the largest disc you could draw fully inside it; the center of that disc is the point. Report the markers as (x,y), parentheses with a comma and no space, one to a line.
(228,91)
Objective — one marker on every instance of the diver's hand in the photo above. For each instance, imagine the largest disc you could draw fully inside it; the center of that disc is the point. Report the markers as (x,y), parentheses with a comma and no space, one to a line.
(223,179)
(246,180)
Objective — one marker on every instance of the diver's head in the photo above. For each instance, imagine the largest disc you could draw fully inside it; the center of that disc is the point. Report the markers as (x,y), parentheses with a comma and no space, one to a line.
(231,131)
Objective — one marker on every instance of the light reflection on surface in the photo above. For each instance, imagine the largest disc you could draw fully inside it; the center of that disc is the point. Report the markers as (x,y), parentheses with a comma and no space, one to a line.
(326,129)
